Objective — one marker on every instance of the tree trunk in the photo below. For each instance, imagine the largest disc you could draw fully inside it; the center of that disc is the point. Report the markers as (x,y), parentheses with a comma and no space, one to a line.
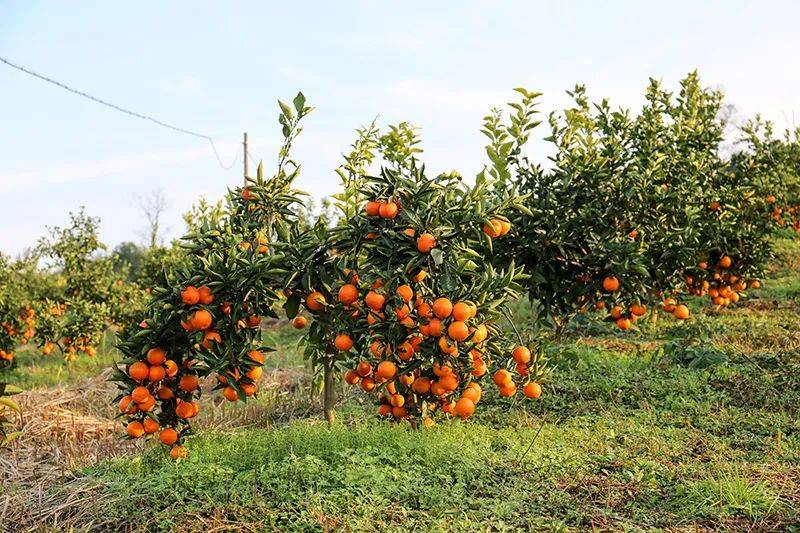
(329,390)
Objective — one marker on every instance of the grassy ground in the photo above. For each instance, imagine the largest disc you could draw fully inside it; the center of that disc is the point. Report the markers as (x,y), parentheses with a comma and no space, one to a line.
(676,426)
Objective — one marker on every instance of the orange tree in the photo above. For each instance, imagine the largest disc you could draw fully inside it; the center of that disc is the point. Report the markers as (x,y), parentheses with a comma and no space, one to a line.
(207,319)
(90,295)
(675,149)
(578,233)
(17,318)
(418,305)
(736,229)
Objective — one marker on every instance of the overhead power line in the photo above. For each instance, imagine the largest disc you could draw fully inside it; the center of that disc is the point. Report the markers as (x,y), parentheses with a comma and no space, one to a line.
(122,109)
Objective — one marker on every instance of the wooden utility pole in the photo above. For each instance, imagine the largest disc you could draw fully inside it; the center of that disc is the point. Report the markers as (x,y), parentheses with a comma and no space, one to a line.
(244,145)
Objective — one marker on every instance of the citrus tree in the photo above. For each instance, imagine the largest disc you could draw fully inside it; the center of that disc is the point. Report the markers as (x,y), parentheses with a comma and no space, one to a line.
(422,305)
(578,235)
(90,295)
(207,320)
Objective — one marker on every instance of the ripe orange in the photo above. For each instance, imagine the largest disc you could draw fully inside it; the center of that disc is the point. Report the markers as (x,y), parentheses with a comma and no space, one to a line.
(230,394)
(446,346)
(201,319)
(638,310)
(367,384)
(458,331)
(156,374)
(464,408)
(171,368)
(623,323)
(405,292)
(610,284)
(375,300)
(384,410)
(479,333)
(668,305)
(165,393)
(315,301)
(442,307)
(189,383)
(138,371)
(725,261)
(493,228)
(755,284)
(351,377)
(185,410)
(425,243)
(462,311)
(156,356)
(421,385)
(522,355)
(168,436)
(364,369)
(348,294)
(388,209)
(681,312)
(206,296)
(209,337)
(135,429)
(532,390)
(343,342)
(140,394)
(299,322)
(127,405)
(150,426)
(502,378)
(372,208)
(405,351)
(178,452)
(616,312)
(190,295)
(508,391)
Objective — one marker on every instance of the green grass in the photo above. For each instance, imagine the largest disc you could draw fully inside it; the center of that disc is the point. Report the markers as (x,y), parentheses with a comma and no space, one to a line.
(631,433)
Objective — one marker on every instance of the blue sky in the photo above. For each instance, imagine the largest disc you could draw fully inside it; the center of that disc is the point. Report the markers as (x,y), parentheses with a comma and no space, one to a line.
(218,67)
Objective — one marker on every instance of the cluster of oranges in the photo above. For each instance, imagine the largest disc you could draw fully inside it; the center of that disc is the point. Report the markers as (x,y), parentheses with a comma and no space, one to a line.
(623,317)
(419,352)
(22,331)
(171,382)
(719,282)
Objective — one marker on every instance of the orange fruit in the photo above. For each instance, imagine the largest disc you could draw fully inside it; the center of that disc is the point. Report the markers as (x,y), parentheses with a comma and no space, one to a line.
(367,384)
(384,410)
(156,373)
(532,390)
(464,408)
(201,319)
(405,292)
(623,323)
(299,322)
(178,452)
(364,369)
(171,367)
(610,284)
(725,261)
(315,301)
(372,208)
(638,310)
(165,393)
(135,429)
(502,378)
(462,311)
(348,294)
(493,228)
(442,307)
(388,210)
(150,426)
(458,331)
(140,394)
(343,342)
(375,300)
(230,394)
(156,356)
(189,383)
(425,243)
(190,295)
(138,371)
(168,436)
(206,296)
(351,377)
(421,385)
(127,405)
(681,312)
(616,312)
(185,410)
(522,355)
